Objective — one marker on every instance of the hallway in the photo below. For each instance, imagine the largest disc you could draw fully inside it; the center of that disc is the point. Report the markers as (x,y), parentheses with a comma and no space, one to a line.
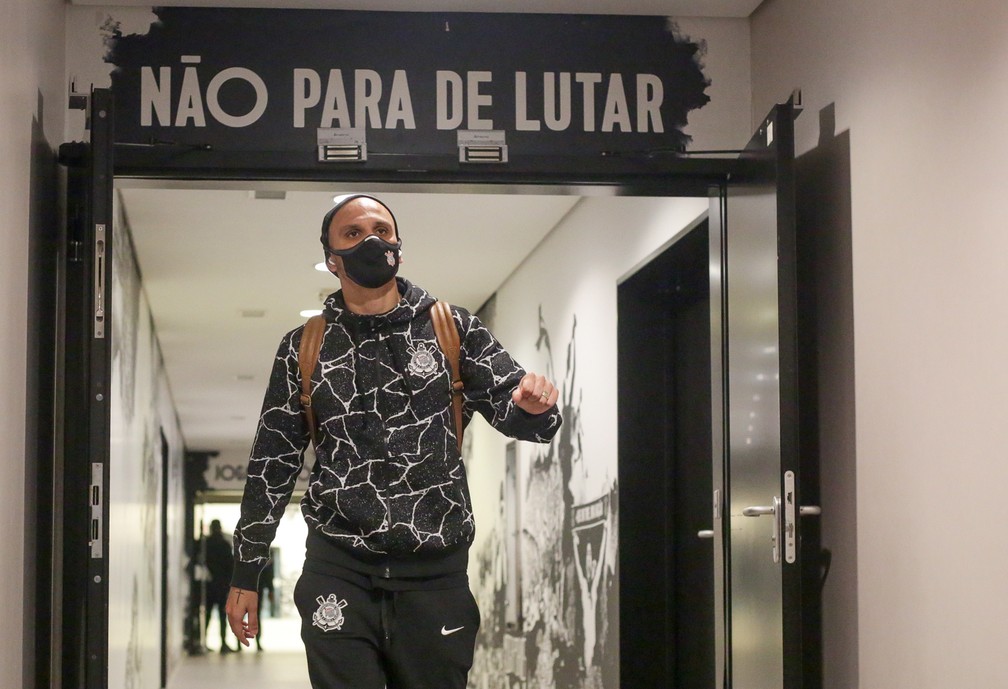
(282,669)
(280,666)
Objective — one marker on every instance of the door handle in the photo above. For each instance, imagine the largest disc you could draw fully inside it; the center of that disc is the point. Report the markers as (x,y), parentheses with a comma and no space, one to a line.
(705,533)
(775,511)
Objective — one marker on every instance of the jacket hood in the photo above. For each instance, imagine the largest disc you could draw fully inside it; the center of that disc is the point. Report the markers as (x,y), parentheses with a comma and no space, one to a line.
(412,302)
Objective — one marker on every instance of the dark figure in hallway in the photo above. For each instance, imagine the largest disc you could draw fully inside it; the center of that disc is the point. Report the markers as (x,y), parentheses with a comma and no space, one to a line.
(384,595)
(266,589)
(219,563)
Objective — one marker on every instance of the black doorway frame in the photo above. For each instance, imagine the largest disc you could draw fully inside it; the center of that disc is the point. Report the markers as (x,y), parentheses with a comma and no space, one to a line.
(684,177)
(666,569)
(659,174)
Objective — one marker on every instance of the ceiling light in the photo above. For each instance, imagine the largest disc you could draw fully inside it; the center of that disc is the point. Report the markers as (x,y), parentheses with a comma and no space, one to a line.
(308,313)
(321,267)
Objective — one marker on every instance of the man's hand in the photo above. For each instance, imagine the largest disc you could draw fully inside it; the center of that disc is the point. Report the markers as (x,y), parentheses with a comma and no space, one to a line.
(535,394)
(242,603)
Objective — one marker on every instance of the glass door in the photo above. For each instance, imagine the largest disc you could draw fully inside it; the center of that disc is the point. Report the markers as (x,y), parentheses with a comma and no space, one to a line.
(756,499)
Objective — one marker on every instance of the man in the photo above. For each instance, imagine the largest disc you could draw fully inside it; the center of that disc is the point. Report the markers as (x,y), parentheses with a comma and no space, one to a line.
(384,597)
(219,563)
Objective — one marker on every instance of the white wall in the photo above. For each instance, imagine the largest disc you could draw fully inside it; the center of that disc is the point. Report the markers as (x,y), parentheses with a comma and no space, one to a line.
(922,89)
(571,276)
(31,52)
(724,122)
(142,410)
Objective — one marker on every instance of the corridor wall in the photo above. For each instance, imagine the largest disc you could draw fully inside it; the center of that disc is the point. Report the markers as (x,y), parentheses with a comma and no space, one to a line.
(142,413)
(557,315)
(905,108)
(31,118)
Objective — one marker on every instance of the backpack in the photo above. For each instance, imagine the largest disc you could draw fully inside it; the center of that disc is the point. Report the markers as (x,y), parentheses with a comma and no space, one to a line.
(448,340)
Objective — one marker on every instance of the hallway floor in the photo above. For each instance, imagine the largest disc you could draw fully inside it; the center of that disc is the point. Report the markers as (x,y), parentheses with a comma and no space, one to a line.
(280,666)
(248,669)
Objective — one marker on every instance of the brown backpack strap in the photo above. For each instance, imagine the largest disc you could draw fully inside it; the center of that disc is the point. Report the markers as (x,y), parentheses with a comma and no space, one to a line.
(308,354)
(448,340)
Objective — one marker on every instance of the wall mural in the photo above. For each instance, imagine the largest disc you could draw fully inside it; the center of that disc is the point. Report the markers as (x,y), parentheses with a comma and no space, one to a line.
(569,631)
(138,421)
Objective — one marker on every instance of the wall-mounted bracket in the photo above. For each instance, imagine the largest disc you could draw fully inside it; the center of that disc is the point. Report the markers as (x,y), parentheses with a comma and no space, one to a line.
(482,146)
(341,145)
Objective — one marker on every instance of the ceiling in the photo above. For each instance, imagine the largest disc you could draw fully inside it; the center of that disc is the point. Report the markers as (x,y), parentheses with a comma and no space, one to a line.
(226,273)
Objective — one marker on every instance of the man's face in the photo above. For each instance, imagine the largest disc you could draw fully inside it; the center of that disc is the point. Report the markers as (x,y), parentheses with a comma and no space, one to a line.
(353,223)
(357,220)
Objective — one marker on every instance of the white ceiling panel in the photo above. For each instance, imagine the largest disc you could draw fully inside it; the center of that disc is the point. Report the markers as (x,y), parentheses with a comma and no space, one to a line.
(226,275)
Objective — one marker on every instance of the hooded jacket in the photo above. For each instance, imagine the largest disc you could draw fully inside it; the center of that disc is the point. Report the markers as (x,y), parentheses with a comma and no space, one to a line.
(388,494)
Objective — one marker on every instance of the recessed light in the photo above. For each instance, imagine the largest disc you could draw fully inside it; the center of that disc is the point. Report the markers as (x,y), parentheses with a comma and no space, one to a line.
(321,267)
(308,313)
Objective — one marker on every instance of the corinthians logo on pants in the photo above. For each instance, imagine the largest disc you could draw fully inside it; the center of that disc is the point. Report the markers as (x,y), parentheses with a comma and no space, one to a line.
(329,615)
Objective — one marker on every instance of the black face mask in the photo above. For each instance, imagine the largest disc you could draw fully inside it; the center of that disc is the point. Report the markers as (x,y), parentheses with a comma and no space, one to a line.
(372,262)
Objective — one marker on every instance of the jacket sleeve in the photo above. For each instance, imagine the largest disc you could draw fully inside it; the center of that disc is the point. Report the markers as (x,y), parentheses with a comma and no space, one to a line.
(490,375)
(275,462)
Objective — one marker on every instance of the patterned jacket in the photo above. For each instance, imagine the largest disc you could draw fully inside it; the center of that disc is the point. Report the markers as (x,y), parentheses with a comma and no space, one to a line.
(388,493)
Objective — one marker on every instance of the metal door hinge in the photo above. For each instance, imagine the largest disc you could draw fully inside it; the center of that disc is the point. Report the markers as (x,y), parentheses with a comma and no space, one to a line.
(96,498)
(100,264)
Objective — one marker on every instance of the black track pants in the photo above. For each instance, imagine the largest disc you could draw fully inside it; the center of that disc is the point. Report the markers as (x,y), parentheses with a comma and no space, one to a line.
(358,635)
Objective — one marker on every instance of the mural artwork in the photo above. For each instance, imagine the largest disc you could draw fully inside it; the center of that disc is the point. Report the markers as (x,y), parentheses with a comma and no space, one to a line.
(136,478)
(568,636)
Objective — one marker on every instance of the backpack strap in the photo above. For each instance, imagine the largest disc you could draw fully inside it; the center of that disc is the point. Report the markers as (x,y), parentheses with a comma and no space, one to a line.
(308,354)
(448,340)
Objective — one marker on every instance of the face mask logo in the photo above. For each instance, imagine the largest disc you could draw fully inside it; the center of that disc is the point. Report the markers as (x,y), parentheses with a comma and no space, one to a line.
(372,262)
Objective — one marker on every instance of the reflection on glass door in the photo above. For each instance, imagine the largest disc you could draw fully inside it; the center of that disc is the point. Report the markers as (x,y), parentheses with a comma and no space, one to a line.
(756,348)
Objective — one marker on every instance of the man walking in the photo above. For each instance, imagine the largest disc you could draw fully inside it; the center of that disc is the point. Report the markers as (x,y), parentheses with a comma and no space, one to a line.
(384,596)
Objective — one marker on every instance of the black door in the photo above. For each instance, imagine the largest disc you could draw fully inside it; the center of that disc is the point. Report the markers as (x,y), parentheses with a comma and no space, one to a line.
(86,409)
(666,571)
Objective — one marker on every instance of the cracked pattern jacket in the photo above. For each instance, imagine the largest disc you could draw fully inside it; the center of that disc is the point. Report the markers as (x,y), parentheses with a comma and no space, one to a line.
(388,493)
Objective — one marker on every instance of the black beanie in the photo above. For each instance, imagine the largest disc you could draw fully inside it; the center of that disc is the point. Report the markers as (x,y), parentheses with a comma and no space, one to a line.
(327,220)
